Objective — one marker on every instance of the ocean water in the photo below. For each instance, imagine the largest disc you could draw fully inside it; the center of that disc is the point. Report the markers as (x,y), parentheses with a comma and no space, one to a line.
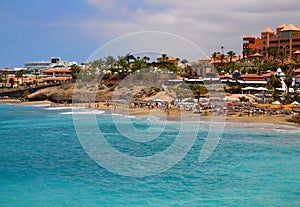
(42,163)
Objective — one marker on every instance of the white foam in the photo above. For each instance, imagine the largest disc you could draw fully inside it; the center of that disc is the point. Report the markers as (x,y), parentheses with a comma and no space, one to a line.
(63,108)
(41,105)
(84,112)
(123,115)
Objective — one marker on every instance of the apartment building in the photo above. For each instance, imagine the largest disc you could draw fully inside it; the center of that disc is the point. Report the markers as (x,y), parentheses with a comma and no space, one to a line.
(285,38)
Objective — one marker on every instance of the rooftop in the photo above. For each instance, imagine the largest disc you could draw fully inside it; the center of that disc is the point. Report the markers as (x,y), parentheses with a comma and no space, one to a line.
(290,27)
(267,30)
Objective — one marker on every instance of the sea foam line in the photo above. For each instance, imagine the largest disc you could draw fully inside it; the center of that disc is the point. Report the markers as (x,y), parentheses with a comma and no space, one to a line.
(84,112)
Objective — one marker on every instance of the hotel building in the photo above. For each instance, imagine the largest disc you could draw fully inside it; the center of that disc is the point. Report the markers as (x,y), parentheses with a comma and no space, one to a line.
(286,38)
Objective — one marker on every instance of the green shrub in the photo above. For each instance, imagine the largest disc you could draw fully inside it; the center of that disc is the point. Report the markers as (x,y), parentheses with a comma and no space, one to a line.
(157,90)
(24,94)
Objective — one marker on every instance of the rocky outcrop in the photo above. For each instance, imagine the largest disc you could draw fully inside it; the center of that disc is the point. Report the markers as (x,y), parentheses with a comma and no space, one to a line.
(54,94)
(65,93)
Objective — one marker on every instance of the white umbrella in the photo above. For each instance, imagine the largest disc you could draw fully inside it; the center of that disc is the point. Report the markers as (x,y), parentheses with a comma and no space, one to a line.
(276,102)
(249,88)
(296,103)
(158,100)
(262,89)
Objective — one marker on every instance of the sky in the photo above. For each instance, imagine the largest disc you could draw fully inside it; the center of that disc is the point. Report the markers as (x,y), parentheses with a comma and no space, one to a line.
(34,30)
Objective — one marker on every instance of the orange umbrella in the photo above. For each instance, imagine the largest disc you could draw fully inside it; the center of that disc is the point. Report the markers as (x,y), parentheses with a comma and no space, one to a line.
(290,106)
(275,106)
(264,105)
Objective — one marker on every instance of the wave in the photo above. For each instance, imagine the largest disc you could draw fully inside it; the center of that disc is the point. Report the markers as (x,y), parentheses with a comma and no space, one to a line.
(64,108)
(84,112)
(123,115)
(261,127)
(41,105)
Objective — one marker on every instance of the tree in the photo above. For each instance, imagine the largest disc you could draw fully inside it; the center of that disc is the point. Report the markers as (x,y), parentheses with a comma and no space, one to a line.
(222,58)
(110,61)
(274,83)
(256,63)
(246,52)
(231,55)
(273,51)
(288,80)
(146,59)
(139,63)
(214,56)
(20,74)
(98,63)
(11,82)
(5,72)
(282,56)
(75,70)
(199,90)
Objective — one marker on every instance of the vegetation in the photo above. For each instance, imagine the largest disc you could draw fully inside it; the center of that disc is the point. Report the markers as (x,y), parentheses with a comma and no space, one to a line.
(75,70)
(199,91)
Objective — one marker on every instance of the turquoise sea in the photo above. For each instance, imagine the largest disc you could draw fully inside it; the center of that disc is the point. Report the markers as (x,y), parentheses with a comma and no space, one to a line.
(42,163)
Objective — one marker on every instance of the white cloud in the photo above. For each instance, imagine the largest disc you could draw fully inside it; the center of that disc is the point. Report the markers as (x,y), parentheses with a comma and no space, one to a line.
(210,24)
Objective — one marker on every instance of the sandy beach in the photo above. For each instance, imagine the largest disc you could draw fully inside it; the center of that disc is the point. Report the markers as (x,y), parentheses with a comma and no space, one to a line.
(171,114)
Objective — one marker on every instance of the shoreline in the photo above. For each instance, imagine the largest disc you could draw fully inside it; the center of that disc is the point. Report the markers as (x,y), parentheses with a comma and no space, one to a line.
(170,115)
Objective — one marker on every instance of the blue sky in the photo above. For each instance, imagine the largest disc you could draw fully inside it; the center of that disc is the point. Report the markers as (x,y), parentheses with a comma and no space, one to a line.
(74,29)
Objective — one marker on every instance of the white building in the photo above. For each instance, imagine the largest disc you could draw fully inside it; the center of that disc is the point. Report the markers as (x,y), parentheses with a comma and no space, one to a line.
(281,75)
(53,63)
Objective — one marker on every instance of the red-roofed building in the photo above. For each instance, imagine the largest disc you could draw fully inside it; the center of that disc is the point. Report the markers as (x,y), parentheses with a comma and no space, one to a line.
(297,72)
(56,74)
(251,80)
(286,38)
(250,43)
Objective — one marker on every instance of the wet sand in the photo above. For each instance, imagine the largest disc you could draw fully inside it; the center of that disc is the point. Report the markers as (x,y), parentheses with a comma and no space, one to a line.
(171,114)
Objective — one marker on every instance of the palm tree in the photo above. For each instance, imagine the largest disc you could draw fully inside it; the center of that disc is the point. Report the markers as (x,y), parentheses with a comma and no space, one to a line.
(246,52)
(256,63)
(11,81)
(199,90)
(288,80)
(18,75)
(231,55)
(275,82)
(75,70)
(98,63)
(146,59)
(5,72)
(139,63)
(110,61)
(282,56)
(22,73)
(273,52)
(222,58)
(214,56)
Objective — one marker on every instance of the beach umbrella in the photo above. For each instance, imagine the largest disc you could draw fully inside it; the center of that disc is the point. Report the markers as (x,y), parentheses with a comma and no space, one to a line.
(158,100)
(275,106)
(276,103)
(296,103)
(264,105)
(290,106)
(230,104)
(248,88)
(287,108)
(261,89)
